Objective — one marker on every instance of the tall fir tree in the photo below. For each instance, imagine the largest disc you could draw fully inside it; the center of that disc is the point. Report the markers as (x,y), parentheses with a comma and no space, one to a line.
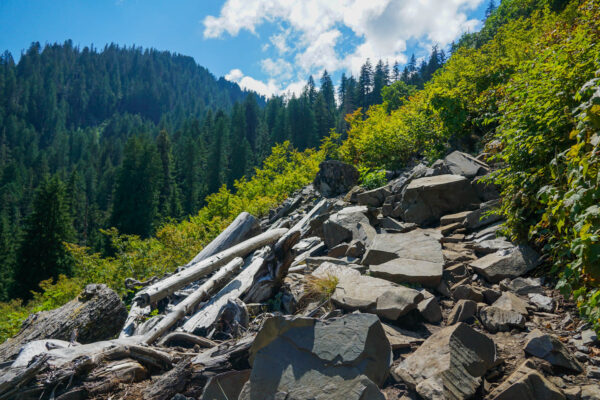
(168,200)
(42,253)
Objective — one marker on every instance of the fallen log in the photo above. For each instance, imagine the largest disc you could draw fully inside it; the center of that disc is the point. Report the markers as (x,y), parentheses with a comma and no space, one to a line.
(208,315)
(243,227)
(190,302)
(189,339)
(287,206)
(302,227)
(168,286)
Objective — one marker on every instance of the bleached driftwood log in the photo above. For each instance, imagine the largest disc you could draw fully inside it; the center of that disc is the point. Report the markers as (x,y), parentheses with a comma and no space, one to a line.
(168,286)
(286,207)
(243,227)
(209,314)
(190,302)
(286,241)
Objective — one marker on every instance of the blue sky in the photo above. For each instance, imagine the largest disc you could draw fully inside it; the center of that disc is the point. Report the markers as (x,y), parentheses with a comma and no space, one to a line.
(270,46)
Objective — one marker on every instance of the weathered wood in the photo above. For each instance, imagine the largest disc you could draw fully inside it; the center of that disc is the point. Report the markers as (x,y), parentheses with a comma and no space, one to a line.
(136,314)
(190,302)
(208,315)
(300,228)
(243,227)
(286,208)
(179,337)
(169,285)
(97,313)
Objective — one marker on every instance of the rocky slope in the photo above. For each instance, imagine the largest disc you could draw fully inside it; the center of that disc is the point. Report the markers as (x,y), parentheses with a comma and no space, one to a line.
(402,292)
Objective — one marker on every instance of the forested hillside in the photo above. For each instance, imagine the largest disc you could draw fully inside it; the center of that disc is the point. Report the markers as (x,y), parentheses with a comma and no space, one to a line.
(133,139)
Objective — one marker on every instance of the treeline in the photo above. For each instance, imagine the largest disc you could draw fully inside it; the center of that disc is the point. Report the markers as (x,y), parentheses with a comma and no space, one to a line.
(133,138)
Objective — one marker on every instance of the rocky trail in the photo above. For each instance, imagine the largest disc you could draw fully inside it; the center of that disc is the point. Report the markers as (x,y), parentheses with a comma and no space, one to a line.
(405,291)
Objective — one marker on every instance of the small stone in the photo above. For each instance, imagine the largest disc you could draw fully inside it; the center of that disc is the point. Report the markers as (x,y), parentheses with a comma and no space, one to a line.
(462,311)
(523,286)
(498,319)
(510,302)
(590,392)
(589,337)
(510,263)
(593,373)
(526,383)
(491,295)
(466,292)
(430,310)
(542,302)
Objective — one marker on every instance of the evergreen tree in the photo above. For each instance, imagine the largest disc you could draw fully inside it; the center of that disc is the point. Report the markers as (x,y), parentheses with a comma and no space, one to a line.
(490,8)
(365,85)
(6,257)
(168,199)
(42,254)
(135,205)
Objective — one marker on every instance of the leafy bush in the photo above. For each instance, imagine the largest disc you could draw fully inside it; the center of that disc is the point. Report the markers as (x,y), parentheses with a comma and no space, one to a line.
(370,179)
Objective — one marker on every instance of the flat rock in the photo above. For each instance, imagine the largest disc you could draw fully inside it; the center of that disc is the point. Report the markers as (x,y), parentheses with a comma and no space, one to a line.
(549,348)
(510,263)
(375,295)
(401,338)
(490,246)
(403,270)
(467,292)
(510,302)
(496,319)
(426,200)
(335,178)
(304,358)
(524,384)
(523,286)
(225,386)
(418,244)
(464,164)
(449,365)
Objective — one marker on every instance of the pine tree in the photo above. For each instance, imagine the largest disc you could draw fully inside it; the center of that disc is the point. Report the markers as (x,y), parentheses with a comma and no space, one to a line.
(217,165)
(6,257)
(42,254)
(168,199)
(135,204)
(380,80)
(396,74)
(365,85)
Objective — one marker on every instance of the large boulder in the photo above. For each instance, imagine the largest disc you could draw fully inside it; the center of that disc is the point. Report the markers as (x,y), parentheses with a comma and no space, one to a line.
(524,384)
(96,314)
(374,295)
(374,197)
(418,244)
(304,358)
(510,263)
(335,178)
(449,365)
(459,163)
(350,223)
(427,199)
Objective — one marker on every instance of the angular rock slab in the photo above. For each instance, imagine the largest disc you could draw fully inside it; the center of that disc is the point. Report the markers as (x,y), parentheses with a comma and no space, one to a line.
(464,164)
(509,263)
(225,386)
(526,383)
(350,223)
(449,365)
(425,200)
(403,270)
(418,244)
(496,319)
(374,295)
(549,348)
(305,358)
(335,178)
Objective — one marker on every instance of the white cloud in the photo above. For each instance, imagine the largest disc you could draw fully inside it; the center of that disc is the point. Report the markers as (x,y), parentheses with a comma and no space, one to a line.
(247,82)
(313,37)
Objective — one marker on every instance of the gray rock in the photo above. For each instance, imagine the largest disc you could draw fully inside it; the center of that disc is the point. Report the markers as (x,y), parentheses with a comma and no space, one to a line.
(463,310)
(373,198)
(449,365)
(304,358)
(496,319)
(593,372)
(335,178)
(542,302)
(401,338)
(356,249)
(375,295)
(485,191)
(225,386)
(402,270)
(460,163)
(590,392)
(454,218)
(491,295)
(478,218)
(425,200)
(549,348)
(430,310)
(510,302)
(418,244)
(490,246)
(348,224)
(589,337)
(510,263)
(523,286)
(524,384)
(467,292)
(393,226)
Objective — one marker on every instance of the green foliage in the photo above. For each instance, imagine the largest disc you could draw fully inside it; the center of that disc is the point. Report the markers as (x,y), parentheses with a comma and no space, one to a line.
(42,253)
(396,94)
(370,179)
